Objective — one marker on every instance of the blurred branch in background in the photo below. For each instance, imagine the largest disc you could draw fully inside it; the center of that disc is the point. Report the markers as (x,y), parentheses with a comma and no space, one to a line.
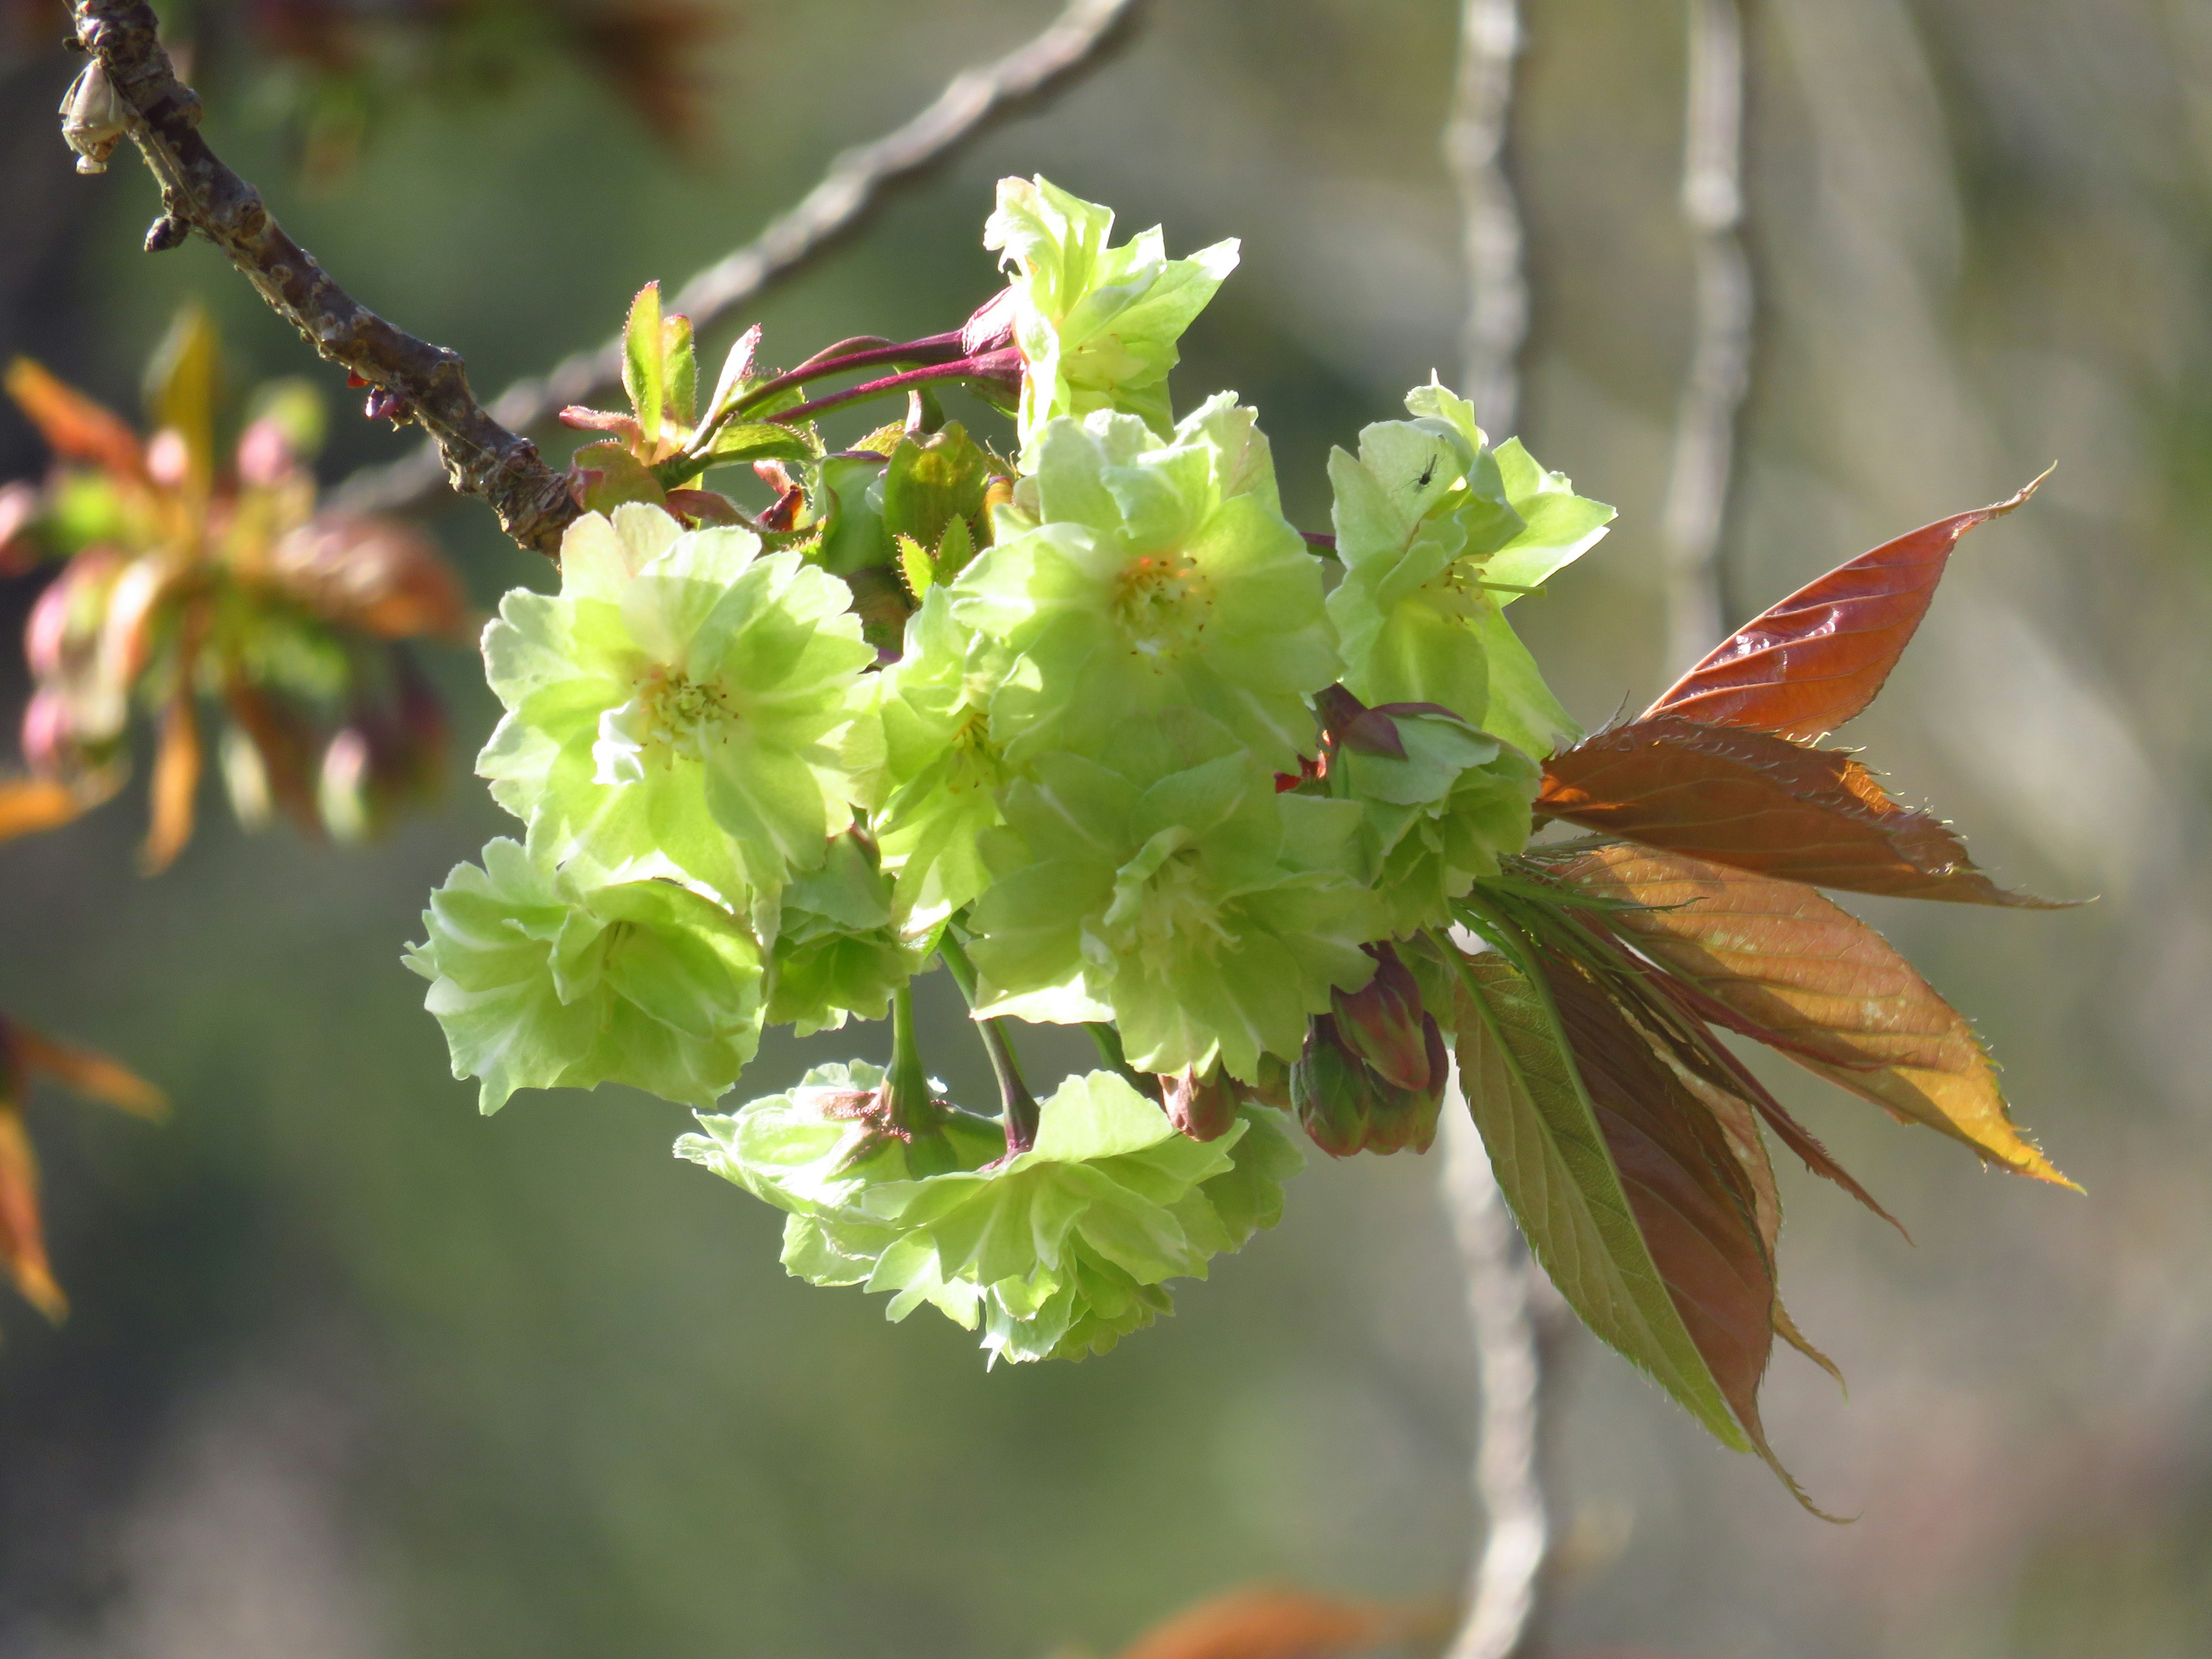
(1720,360)
(1506,1579)
(858,181)
(1490,219)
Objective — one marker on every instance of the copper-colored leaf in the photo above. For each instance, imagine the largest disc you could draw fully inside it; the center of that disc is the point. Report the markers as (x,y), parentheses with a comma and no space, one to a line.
(1692,1201)
(286,744)
(176,782)
(1809,664)
(383,578)
(77,429)
(85,1072)
(22,1239)
(1796,970)
(28,805)
(1761,804)
(648,51)
(1274,1622)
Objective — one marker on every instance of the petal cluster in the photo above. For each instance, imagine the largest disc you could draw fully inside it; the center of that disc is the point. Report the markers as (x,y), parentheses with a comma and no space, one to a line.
(1058,1252)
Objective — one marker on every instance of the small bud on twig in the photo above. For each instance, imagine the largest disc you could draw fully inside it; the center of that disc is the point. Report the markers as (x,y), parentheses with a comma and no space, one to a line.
(166,233)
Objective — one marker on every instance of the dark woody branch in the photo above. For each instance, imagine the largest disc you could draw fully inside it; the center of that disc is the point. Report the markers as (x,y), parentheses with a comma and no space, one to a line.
(419,381)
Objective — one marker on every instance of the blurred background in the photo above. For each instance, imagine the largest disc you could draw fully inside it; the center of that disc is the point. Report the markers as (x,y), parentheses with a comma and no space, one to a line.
(355,1373)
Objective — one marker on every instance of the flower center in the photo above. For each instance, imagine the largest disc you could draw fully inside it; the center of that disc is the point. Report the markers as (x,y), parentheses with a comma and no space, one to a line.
(668,717)
(1162,602)
(1162,911)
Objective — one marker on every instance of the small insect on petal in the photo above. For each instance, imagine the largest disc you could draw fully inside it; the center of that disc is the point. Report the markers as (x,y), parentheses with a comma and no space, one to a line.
(94,117)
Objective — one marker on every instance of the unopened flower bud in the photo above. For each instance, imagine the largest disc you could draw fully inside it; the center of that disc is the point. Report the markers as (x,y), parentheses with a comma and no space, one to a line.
(1203,1107)
(385,405)
(991,327)
(166,233)
(1381,1022)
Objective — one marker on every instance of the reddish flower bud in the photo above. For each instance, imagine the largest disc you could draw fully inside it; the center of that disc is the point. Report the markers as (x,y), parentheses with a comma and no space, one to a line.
(1346,1107)
(1203,1107)
(1381,1022)
(991,327)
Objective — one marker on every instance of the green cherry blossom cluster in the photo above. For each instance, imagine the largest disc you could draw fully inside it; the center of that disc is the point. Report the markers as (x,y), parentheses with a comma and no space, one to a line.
(1093,725)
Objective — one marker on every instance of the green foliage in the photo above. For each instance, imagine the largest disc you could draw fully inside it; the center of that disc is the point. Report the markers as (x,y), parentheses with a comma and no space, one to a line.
(1094,726)
(1058,1252)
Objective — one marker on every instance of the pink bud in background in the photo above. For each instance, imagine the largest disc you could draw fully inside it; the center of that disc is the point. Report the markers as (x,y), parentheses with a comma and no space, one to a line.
(264,455)
(46,735)
(169,459)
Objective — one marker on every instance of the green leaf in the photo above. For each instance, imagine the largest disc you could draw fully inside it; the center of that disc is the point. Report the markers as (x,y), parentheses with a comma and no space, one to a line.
(850,499)
(916,565)
(933,483)
(1553,1164)
(612,476)
(181,383)
(645,364)
(736,377)
(679,371)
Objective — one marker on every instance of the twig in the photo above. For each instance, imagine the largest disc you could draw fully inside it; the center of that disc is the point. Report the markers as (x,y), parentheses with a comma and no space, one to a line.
(479,456)
(1505,1580)
(854,187)
(1490,219)
(1720,362)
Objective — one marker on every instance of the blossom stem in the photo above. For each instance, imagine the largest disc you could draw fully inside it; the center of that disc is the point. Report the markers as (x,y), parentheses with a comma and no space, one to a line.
(1108,1041)
(1018,1105)
(964,368)
(862,352)
(905,1086)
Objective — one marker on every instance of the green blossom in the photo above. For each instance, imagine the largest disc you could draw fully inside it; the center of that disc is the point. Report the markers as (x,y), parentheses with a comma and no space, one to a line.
(938,794)
(1058,1252)
(678,708)
(1167,886)
(1437,533)
(1158,574)
(541,984)
(1096,324)
(837,952)
(1439,818)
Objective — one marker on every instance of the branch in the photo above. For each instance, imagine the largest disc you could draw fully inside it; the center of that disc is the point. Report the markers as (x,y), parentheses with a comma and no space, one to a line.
(1720,360)
(1505,1582)
(1474,148)
(973,102)
(425,383)
(1506,1578)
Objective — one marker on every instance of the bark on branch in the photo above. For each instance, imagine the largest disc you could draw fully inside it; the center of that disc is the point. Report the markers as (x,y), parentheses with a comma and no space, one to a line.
(198,192)
(971,104)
